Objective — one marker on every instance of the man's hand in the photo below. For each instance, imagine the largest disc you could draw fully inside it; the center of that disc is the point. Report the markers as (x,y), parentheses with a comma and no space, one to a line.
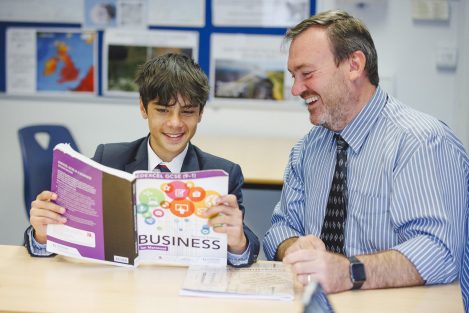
(43,212)
(226,217)
(306,242)
(310,261)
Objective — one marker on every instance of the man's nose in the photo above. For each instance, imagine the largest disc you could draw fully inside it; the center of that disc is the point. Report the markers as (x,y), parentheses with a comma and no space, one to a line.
(298,87)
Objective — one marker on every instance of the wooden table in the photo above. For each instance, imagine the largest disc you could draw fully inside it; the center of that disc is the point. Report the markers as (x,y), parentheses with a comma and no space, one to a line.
(67,285)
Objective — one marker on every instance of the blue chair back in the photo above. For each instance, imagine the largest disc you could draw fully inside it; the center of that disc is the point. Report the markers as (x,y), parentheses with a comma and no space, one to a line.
(37,160)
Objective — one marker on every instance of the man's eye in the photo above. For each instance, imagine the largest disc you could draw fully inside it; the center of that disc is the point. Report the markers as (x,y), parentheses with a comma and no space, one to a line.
(188,112)
(161,110)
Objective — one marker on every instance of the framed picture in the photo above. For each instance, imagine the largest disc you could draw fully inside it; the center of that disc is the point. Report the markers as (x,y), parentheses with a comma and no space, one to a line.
(125,51)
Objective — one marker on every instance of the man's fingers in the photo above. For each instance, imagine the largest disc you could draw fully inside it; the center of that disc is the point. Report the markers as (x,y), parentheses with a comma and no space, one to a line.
(305,279)
(301,255)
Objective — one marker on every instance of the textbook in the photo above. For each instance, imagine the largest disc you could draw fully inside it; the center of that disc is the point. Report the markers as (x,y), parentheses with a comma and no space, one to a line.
(123,219)
(263,280)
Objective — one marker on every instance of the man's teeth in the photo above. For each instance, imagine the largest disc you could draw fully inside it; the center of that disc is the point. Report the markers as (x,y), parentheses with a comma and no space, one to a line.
(173,135)
(311,99)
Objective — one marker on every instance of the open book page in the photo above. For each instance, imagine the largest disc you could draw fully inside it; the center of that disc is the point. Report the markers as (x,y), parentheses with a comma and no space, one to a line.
(171,227)
(65,148)
(99,210)
(263,280)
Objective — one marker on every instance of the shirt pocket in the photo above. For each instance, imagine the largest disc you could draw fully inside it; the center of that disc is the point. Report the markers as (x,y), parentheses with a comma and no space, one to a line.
(368,224)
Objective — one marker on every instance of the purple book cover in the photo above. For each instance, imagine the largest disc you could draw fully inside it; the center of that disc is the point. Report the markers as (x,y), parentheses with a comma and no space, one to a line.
(99,211)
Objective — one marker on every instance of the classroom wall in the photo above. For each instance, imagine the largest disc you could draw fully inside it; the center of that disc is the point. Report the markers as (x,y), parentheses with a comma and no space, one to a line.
(407,56)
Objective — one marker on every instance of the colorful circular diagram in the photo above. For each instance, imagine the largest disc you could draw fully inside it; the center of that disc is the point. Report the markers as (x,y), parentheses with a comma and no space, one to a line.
(151,197)
(142,208)
(150,220)
(205,229)
(211,198)
(196,194)
(158,213)
(182,207)
(176,189)
(200,209)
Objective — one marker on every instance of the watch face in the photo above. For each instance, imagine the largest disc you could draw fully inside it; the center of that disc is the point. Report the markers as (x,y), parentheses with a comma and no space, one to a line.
(358,272)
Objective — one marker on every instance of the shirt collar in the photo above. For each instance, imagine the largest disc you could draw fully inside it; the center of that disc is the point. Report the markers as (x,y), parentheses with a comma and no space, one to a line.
(174,166)
(356,132)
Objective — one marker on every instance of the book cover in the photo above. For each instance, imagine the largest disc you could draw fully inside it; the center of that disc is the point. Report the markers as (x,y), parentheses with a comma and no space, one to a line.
(171,226)
(122,218)
(99,210)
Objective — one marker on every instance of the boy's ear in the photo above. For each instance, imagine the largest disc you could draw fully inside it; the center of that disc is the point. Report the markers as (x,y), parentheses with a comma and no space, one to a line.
(142,109)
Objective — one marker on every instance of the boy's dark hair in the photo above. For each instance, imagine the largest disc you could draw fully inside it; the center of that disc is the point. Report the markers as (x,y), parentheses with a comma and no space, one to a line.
(165,77)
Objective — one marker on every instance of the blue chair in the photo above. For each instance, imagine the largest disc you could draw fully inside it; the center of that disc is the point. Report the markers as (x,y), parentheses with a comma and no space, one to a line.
(37,159)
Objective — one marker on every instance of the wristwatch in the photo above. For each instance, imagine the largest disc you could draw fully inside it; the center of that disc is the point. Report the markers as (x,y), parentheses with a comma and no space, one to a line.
(357,272)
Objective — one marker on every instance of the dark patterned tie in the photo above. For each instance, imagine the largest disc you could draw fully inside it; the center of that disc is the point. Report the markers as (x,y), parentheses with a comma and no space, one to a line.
(332,232)
(163,168)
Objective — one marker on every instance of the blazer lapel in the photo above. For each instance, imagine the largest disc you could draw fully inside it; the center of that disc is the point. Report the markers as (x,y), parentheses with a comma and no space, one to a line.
(141,159)
(191,161)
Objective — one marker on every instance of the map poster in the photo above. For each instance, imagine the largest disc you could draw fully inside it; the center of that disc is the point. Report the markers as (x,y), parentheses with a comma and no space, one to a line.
(51,61)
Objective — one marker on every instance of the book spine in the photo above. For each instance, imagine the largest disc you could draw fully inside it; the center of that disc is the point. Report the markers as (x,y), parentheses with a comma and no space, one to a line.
(118,219)
(134,201)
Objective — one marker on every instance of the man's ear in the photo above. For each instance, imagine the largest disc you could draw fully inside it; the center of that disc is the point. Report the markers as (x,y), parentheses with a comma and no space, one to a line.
(142,109)
(357,62)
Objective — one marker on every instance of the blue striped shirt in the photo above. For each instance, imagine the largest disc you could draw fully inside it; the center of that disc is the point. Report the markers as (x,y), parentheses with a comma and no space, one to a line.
(407,182)
(465,268)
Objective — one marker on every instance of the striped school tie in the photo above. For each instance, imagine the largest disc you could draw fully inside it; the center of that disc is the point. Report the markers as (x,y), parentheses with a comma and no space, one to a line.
(162,168)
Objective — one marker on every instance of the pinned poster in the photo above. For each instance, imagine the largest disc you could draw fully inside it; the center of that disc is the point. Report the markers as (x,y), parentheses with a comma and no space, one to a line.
(52,61)
(249,69)
(260,13)
(125,50)
(99,14)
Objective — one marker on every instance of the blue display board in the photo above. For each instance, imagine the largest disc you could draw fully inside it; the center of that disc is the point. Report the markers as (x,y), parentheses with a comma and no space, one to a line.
(204,39)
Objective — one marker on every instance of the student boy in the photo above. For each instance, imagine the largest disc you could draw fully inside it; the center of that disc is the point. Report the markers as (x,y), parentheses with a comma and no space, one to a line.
(173,92)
